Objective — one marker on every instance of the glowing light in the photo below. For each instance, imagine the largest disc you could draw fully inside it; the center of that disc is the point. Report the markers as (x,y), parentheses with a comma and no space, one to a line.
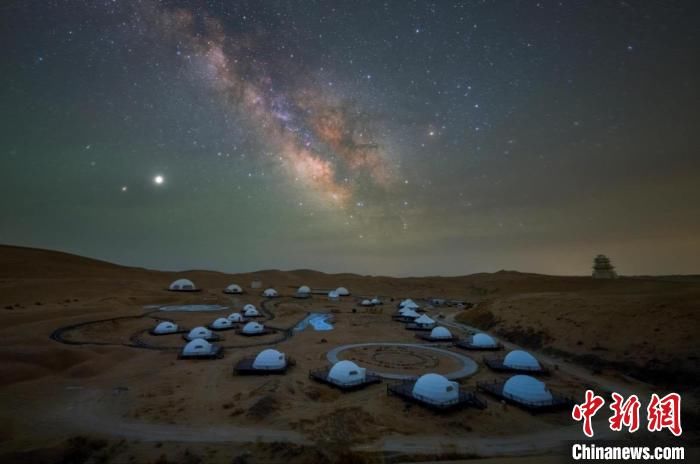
(158,180)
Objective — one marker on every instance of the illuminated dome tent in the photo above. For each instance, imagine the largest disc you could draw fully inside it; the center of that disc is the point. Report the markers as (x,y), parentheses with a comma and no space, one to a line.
(479,341)
(423,322)
(254,328)
(250,311)
(516,361)
(164,328)
(235,317)
(409,304)
(221,323)
(526,389)
(438,334)
(409,313)
(342,291)
(376,301)
(303,292)
(200,349)
(482,340)
(268,361)
(270,293)
(522,360)
(405,315)
(201,332)
(333,295)
(182,285)
(526,392)
(233,289)
(345,375)
(435,391)
(366,303)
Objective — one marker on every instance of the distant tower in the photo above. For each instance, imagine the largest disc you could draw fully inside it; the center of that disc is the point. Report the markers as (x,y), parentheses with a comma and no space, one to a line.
(602,269)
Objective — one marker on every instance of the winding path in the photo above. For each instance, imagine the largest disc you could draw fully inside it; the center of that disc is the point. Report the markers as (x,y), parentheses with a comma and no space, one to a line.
(136,340)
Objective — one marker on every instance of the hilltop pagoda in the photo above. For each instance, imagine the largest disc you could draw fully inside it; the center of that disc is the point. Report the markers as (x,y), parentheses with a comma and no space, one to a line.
(602,269)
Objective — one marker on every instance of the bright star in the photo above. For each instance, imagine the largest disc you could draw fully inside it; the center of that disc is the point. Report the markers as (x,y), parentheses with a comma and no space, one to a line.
(158,180)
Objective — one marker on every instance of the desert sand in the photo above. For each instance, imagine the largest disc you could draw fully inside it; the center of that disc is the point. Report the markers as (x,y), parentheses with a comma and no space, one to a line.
(107,391)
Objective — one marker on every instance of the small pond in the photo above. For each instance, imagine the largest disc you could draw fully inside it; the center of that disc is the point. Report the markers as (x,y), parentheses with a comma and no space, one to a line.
(319,322)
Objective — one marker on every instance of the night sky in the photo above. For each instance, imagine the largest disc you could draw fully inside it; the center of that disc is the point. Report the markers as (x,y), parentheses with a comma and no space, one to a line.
(398,138)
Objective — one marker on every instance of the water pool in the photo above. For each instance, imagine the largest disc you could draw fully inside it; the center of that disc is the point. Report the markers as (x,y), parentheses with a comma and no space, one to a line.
(319,322)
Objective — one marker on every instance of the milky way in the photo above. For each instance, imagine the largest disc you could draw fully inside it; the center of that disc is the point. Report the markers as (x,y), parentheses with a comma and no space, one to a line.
(320,139)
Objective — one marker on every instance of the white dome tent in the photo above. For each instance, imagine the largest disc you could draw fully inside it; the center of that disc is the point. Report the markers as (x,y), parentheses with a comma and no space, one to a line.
(521,360)
(270,359)
(200,348)
(164,328)
(366,303)
(436,389)
(270,293)
(253,328)
(250,311)
(409,304)
(516,361)
(221,323)
(233,289)
(200,332)
(526,389)
(437,334)
(480,342)
(483,340)
(376,301)
(345,375)
(440,333)
(409,314)
(422,322)
(303,292)
(182,285)
(235,317)
(342,291)
(333,295)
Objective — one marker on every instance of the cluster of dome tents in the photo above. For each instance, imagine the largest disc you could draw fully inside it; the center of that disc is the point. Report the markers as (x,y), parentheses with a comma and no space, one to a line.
(431,389)
(521,389)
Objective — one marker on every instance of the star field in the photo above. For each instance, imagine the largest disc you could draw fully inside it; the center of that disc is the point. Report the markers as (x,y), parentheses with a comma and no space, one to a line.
(402,138)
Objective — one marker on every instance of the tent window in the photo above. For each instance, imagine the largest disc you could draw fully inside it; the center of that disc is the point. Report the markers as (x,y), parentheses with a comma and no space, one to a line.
(450,388)
(352,373)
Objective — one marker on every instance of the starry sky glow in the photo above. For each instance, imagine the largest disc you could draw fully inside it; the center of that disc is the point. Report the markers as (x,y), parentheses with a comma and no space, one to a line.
(378,137)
